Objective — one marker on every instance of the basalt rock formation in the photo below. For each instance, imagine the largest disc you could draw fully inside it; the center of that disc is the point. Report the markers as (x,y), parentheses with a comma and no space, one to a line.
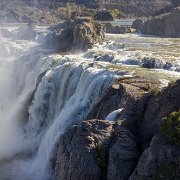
(163,25)
(83,152)
(75,35)
(103,16)
(129,145)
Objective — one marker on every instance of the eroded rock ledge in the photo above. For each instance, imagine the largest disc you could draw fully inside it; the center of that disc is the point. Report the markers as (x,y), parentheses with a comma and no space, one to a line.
(131,145)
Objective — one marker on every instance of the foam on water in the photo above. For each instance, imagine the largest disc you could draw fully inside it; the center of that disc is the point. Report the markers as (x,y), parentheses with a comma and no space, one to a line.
(36,111)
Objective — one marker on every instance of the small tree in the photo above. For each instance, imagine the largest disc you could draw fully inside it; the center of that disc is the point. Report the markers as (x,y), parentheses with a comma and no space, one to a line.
(171,127)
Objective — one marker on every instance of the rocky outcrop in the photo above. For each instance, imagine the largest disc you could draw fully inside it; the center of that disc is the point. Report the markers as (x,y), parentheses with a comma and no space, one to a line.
(128,94)
(158,107)
(116,29)
(140,104)
(154,63)
(95,147)
(82,151)
(162,25)
(160,161)
(102,149)
(103,16)
(123,154)
(75,35)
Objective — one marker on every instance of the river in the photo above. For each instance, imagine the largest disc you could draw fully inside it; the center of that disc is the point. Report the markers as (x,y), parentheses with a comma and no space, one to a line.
(42,94)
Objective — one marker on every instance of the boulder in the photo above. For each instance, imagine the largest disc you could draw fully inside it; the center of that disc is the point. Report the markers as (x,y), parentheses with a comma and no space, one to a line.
(116,29)
(75,35)
(105,57)
(163,25)
(103,16)
(148,62)
(83,152)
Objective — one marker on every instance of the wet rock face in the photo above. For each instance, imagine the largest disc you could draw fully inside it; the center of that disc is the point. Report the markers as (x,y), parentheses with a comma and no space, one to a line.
(74,35)
(153,63)
(83,152)
(162,25)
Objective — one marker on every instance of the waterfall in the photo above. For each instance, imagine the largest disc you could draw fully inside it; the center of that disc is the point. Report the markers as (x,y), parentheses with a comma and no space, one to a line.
(39,100)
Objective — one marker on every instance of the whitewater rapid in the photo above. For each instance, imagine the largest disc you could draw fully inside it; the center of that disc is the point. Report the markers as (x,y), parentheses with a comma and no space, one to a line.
(43,94)
(40,96)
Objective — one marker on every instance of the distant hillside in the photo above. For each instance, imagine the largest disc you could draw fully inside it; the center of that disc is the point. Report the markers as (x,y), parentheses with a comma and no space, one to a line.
(135,7)
(127,7)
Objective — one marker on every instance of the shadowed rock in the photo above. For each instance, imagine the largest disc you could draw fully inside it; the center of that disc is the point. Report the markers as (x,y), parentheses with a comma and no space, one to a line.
(103,16)
(159,161)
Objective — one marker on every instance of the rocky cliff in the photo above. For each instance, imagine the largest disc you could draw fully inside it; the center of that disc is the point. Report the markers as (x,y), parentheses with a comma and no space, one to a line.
(162,25)
(129,144)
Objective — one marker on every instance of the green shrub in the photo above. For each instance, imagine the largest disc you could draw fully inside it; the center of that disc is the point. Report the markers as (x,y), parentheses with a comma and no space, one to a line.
(100,156)
(165,171)
(171,127)
(114,12)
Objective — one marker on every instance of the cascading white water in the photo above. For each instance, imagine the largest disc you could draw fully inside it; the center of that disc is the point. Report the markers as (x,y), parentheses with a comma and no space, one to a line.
(41,96)
(38,101)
